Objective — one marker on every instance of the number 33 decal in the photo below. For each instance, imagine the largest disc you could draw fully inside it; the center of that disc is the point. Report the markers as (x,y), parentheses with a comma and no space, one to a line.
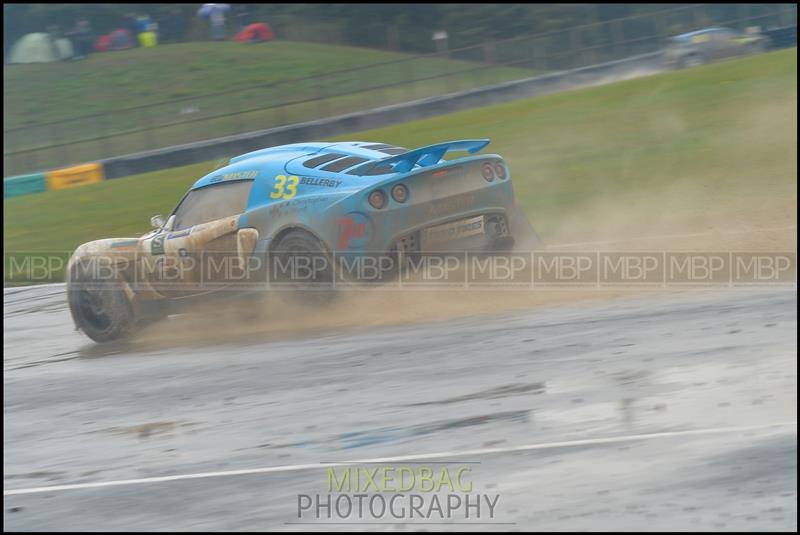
(291,187)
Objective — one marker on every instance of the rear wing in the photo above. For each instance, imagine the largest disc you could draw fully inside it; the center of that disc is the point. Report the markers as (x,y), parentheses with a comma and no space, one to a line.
(423,156)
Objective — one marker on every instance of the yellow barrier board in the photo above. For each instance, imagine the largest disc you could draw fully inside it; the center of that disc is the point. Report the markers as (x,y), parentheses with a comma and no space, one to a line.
(78,175)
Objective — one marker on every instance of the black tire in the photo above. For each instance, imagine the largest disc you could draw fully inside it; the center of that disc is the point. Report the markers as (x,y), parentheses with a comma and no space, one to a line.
(99,308)
(296,245)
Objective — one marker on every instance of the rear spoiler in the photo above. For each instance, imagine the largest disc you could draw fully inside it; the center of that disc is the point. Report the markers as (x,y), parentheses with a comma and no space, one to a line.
(424,156)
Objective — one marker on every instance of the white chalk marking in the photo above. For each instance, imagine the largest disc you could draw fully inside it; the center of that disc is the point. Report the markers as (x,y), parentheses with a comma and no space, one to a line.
(672,236)
(402,458)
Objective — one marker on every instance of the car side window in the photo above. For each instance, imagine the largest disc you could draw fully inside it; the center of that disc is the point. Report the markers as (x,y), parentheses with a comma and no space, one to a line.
(211,203)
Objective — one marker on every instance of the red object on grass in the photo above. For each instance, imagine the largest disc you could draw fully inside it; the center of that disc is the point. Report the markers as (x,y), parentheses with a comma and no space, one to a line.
(259,31)
(119,39)
(103,43)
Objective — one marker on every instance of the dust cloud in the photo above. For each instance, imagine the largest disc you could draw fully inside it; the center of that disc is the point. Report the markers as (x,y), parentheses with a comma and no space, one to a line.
(725,207)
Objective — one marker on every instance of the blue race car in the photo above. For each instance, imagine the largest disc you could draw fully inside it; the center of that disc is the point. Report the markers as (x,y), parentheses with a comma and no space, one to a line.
(292,201)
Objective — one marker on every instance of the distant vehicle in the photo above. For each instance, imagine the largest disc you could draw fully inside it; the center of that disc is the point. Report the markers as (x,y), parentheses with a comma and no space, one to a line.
(290,201)
(711,44)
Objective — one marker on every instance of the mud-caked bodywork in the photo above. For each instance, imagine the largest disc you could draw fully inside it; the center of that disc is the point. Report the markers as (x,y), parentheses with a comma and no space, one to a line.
(352,198)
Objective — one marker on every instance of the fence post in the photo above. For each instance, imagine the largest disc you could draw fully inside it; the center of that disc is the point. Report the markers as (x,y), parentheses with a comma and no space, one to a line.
(450,81)
(490,53)
(785,14)
(101,130)
(32,160)
(55,136)
(279,108)
(575,44)
(538,55)
(411,94)
(618,36)
(393,37)
(589,52)
(147,127)
(236,119)
(699,17)
(322,107)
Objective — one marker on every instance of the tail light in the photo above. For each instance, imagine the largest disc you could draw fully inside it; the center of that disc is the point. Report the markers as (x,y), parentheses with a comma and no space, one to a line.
(500,171)
(400,193)
(377,199)
(487,172)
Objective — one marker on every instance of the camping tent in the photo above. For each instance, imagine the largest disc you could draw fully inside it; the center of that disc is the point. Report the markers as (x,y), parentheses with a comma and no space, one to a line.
(258,31)
(40,48)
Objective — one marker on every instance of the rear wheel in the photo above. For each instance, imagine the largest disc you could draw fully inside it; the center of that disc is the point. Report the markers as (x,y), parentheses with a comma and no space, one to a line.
(99,308)
(301,263)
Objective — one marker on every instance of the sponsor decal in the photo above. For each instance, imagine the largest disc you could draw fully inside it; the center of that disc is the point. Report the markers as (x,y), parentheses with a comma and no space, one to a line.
(353,230)
(324,182)
(240,175)
(180,234)
(295,205)
(453,231)
(157,245)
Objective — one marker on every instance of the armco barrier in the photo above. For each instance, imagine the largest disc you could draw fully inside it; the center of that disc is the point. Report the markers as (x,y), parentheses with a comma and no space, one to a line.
(783,37)
(78,175)
(24,185)
(226,147)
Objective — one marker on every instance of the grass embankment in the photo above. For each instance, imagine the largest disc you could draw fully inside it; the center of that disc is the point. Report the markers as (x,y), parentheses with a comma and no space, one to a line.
(98,98)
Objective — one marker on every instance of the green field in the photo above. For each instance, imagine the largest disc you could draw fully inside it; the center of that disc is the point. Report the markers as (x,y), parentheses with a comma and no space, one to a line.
(198,91)
(108,82)
(709,147)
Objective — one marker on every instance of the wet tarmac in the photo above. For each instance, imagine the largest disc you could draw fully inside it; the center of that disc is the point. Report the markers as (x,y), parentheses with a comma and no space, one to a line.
(695,392)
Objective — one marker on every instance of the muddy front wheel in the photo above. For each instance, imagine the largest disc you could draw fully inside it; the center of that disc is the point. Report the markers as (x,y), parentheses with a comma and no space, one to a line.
(99,308)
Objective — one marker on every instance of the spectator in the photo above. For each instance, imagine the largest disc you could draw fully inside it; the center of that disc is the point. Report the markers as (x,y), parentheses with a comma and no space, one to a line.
(216,14)
(83,38)
(143,23)
(217,24)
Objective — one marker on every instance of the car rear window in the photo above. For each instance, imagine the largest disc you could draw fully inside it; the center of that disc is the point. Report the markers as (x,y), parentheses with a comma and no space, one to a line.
(377,146)
(344,163)
(386,149)
(394,150)
(319,160)
(211,203)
